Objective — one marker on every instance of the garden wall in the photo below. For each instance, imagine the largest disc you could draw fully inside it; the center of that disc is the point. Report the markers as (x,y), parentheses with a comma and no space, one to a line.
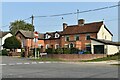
(76,56)
(14,54)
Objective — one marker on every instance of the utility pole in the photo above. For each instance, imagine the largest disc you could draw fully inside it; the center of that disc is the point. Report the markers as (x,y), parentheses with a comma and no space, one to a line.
(77,14)
(32,29)
(32,32)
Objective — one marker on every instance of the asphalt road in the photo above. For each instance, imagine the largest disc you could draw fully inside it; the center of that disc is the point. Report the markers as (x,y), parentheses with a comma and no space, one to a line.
(23,68)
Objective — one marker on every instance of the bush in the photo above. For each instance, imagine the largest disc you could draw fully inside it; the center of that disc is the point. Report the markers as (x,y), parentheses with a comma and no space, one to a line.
(50,51)
(4,52)
(59,51)
(87,52)
(66,51)
(74,51)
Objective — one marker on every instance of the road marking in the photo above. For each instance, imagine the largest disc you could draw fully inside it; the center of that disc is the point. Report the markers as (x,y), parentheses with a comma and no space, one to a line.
(11,64)
(26,63)
(34,62)
(3,64)
(19,63)
(47,62)
(40,62)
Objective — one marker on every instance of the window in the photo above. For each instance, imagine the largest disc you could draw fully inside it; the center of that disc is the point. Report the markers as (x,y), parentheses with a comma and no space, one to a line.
(71,45)
(47,36)
(66,38)
(76,37)
(57,35)
(56,46)
(88,47)
(66,46)
(47,46)
(40,45)
(87,36)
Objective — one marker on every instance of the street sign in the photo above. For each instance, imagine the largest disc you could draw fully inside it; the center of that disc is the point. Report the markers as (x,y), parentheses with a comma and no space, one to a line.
(36,34)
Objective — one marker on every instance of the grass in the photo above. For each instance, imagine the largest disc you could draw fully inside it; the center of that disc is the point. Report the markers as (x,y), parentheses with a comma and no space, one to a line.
(47,59)
(116,64)
(114,57)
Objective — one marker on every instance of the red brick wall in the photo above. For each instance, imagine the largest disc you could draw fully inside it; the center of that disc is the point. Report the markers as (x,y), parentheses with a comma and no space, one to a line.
(82,38)
(52,42)
(76,56)
(62,41)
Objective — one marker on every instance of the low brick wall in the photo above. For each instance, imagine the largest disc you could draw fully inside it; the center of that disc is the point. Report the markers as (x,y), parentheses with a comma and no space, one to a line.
(14,54)
(76,56)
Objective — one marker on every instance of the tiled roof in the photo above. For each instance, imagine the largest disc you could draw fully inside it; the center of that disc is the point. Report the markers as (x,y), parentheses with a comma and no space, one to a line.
(52,34)
(29,34)
(86,28)
(2,34)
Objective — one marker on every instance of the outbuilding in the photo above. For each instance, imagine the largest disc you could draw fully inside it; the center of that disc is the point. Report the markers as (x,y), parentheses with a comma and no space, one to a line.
(101,46)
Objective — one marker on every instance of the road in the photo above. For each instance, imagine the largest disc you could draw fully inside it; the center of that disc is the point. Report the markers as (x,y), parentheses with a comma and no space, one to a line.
(24,68)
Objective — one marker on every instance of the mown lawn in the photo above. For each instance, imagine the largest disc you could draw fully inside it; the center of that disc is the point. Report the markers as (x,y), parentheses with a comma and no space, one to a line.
(114,57)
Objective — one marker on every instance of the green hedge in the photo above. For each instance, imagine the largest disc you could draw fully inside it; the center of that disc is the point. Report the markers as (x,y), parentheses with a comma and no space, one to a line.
(4,52)
(62,51)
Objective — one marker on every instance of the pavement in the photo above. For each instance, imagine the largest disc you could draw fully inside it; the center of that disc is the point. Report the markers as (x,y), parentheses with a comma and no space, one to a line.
(13,67)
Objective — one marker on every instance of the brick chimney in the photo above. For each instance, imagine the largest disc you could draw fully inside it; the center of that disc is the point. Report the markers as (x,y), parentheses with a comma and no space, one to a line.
(81,22)
(64,26)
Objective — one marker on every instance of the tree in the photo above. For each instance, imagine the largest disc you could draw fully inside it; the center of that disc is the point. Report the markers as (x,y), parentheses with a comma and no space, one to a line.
(12,43)
(20,25)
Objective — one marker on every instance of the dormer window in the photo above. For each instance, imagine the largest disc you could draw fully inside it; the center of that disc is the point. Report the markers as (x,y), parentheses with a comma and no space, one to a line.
(47,36)
(57,35)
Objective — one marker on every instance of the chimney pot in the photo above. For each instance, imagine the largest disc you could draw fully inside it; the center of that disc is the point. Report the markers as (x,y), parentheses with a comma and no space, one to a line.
(64,26)
(81,22)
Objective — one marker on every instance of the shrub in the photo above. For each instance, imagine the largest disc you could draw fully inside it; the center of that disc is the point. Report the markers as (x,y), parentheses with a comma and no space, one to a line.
(58,51)
(50,51)
(66,50)
(87,52)
(74,51)
(4,52)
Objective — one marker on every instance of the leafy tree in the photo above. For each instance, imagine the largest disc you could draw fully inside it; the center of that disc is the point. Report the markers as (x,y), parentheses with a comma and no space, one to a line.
(12,43)
(20,25)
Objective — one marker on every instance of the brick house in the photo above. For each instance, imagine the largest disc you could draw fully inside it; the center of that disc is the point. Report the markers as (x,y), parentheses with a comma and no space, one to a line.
(77,36)
(27,40)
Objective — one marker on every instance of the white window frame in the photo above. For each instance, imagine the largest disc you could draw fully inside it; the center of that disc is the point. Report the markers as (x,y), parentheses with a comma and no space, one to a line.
(47,36)
(75,37)
(66,45)
(56,46)
(47,46)
(39,45)
(86,36)
(66,38)
(73,45)
(57,35)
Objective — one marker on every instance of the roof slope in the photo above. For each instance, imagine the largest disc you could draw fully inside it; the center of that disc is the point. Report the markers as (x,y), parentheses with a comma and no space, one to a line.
(2,34)
(86,28)
(29,34)
(106,41)
(52,34)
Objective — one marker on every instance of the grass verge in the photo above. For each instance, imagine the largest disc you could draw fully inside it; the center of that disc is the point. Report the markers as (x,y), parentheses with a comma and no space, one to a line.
(114,57)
